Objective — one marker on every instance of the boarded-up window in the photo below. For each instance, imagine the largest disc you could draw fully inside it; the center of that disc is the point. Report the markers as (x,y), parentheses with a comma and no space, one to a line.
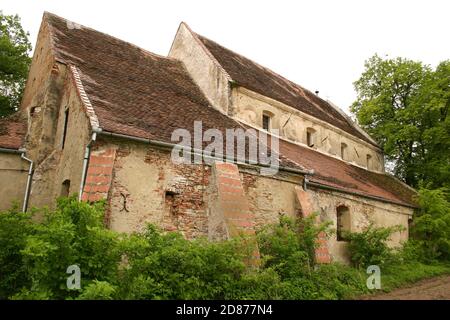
(343,222)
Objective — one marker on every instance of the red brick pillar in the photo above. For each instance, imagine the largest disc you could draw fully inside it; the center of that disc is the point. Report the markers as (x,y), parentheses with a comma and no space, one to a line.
(304,199)
(230,204)
(99,175)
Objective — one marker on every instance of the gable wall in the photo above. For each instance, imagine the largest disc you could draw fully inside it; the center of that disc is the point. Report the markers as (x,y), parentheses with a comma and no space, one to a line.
(205,72)
(61,164)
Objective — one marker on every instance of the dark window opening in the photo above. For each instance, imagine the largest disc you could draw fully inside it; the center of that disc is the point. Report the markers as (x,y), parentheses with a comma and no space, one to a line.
(369,161)
(66,121)
(266,122)
(343,151)
(310,137)
(343,222)
(65,188)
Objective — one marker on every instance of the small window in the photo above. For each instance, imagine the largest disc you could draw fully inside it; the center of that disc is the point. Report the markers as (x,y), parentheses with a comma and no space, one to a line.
(65,188)
(369,161)
(66,121)
(266,122)
(343,151)
(343,222)
(310,137)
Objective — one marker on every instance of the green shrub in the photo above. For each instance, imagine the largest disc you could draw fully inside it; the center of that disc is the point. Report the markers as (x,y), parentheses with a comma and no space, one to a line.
(98,290)
(73,234)
(369,247)
(15,227)
(155,265)
(289,246)
(167,266)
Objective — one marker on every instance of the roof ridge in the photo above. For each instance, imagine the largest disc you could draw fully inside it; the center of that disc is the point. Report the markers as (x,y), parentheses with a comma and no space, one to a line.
(49,14)
(265,68)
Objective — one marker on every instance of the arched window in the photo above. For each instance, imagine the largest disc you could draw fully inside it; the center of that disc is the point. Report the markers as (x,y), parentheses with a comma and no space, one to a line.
(343,151)
(310,137)
(65,188)
(369,161)
(343,222)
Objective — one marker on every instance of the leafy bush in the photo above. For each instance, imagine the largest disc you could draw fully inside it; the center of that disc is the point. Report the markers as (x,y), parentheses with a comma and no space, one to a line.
(14,230)
(167,266)
(369,247)
(289,246)
(98,290)
(38,254)
(155,265)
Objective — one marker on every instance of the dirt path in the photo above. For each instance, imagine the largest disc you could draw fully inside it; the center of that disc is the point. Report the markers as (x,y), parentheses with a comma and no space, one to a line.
(429,289)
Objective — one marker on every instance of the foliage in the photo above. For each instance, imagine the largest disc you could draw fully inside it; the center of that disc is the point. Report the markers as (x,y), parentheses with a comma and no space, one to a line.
(14,62)
(73,234)
(14,229)
(98,290)
(167,266)
(431,227)
(34,257)
(400,274)
(404,105)
(370,247)
(289,247)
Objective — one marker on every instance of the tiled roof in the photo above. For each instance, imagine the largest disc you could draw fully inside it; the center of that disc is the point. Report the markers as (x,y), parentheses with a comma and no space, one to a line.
(332,172)
(137,93)
(259,79)
(12,132)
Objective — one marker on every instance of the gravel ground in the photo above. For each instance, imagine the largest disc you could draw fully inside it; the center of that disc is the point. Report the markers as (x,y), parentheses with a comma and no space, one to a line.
(428,289)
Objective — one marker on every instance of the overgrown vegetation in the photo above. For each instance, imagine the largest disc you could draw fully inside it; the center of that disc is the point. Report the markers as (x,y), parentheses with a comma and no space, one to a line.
(34,257)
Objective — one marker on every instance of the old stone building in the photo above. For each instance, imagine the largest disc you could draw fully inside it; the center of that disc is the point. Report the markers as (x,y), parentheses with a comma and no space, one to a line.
(97,119)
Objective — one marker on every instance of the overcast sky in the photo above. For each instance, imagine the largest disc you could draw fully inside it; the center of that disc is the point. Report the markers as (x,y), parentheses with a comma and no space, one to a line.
(321,45)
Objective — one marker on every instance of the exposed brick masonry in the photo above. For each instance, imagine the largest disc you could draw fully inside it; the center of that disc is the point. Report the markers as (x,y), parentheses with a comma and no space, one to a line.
(99,175)
(322,253)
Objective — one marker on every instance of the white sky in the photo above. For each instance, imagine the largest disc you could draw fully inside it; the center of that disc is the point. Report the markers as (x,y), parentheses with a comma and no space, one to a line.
(321,45)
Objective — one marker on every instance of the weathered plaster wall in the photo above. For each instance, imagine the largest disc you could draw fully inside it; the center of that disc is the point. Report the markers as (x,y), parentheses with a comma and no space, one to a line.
(362,212)
(175,196)
(13,179)
(271,198)
(148,188)
(250,106)
(202,67)
(41,67)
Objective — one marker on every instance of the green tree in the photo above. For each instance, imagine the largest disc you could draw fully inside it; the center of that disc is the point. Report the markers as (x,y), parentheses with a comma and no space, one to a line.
(404,105)
(431,227)
(14,62)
